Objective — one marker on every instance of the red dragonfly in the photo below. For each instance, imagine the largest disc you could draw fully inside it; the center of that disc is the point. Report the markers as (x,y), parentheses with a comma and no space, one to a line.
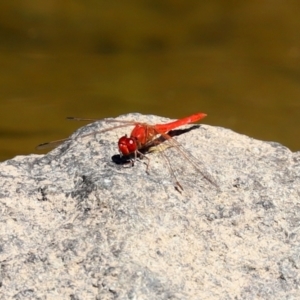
(145,137)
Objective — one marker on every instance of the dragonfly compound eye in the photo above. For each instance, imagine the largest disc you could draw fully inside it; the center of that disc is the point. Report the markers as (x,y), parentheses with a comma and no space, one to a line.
(127,145)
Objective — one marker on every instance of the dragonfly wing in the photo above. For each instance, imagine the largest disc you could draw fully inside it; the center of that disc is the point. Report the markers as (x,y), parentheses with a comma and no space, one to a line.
(197,163)
(128,122)
(52,144)
(56,143)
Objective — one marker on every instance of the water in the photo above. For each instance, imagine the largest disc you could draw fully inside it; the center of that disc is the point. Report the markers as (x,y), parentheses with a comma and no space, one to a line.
(240,64)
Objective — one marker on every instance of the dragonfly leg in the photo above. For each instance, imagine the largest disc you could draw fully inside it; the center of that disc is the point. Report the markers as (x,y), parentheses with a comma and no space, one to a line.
(143,156)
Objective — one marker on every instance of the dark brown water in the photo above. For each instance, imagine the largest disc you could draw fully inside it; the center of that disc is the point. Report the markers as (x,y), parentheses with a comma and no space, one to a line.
(237,61)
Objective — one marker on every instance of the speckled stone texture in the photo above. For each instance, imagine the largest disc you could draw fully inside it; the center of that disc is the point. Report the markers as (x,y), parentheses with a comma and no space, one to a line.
(77,224)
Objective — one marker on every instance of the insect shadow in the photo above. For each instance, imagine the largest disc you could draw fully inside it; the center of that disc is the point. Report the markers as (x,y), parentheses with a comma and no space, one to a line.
(130,159)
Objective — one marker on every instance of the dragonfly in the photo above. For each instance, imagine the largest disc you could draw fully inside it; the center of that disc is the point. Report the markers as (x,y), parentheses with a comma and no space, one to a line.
(148,137)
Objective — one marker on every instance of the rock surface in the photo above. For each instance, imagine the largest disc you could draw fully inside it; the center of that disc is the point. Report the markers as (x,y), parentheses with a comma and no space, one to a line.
(77,225)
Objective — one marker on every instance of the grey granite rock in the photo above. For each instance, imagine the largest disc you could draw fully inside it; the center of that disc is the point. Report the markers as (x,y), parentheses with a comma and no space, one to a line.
(75,224)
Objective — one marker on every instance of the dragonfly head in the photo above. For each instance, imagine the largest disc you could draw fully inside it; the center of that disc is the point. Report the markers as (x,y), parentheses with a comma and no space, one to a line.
(127,145)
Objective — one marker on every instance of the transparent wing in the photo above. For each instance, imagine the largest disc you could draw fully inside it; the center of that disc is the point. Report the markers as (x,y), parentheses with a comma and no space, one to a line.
(197,163)
(124,123)
(128,122)
(51,144)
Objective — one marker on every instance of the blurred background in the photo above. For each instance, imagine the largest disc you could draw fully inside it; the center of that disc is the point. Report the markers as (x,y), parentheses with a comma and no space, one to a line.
(237,61)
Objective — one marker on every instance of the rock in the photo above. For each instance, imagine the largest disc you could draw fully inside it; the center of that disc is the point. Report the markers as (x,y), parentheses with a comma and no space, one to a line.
(77,224)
